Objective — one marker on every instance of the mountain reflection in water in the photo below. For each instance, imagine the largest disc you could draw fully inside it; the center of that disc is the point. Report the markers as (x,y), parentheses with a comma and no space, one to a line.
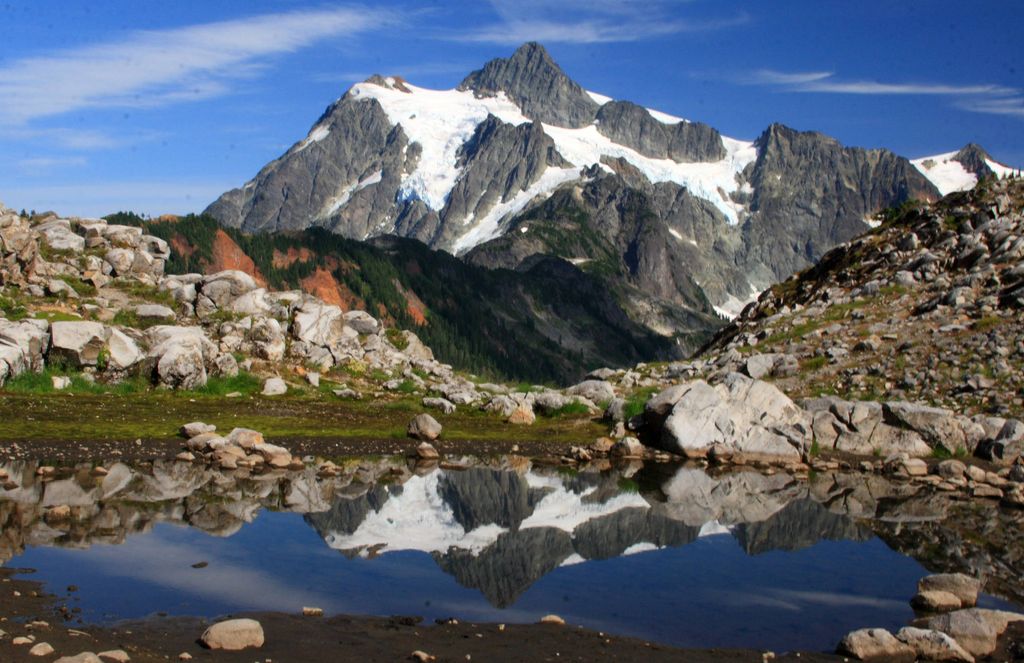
(607,547)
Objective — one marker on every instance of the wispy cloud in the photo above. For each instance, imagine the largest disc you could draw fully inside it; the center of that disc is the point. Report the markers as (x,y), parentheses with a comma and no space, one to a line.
(158,67)
(979,98)
(581,22)
(407,71)
(43,165)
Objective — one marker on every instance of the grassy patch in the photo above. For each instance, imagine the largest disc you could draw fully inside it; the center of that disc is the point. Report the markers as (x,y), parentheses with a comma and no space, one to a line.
(628,485)
(397,338)
(407,387)
(151,294)
(12,309)
(987,324)
(813,364)
(942,453)
(42,383)
(635,403)
(569,409)
(793,333)
(82,288)
(244,383)
(56,316)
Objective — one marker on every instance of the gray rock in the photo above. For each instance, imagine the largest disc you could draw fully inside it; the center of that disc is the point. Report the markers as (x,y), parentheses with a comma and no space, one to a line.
(426,451)
(597,391)
(442,404)
(933,645)
(234,635)
(424,427)
(975,629)
(362,322)
(936,601)
(875,643)
(150,312)
(124,352)
(78,343)
(964,587)
(195,428)
(627,447)
(274,387)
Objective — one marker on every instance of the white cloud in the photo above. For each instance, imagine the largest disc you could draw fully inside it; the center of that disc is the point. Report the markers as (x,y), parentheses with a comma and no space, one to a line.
(978,98)
(824,81)
(42,165)
(157,67)
(583,22)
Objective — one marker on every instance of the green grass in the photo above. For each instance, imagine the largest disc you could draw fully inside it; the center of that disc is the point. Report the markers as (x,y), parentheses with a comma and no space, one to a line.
(942,453)
(397,338)
(244,383)
(635,403)
(795,332)
(569,409)
(813,364)
(12,309)
(629,485)
(56,316)
(80,287)
(151,294)
(407,387)
(987,324)
(42,383)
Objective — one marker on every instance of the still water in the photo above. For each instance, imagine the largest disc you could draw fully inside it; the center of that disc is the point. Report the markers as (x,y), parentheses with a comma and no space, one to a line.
(667,553)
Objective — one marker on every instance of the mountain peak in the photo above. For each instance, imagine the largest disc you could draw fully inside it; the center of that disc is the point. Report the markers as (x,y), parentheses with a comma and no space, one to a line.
(535,82)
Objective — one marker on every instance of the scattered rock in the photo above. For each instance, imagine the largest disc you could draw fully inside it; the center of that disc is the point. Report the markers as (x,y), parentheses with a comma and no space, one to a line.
(872,643)
(975,629)
(552,619)
(195,428)
(274,387)
(963,587)
(935,601)
(234,635)
(933,645)
(424,427)
(41,649)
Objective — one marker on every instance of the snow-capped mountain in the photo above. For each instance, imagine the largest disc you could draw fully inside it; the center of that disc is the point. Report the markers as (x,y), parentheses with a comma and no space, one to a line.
(518,160)
(960,171)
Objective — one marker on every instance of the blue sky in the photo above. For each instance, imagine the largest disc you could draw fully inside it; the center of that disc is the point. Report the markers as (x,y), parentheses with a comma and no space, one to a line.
(161,106)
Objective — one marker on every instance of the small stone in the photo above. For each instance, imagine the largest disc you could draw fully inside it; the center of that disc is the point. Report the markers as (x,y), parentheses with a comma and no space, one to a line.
(42,649)
(184,656)
(23,640)
(274,387)
(185,457)
(552,619)
(195,428)
(313,612)
(60,512)
(234,635)
(60,382)
(422,656)
(424,427)
(84,657)
(115,655)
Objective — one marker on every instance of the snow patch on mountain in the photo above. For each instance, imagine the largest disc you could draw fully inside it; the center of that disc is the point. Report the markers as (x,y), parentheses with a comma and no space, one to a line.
(316,134)
(712,181)
(599,98)
(441,121)
(489,227)
(336,203)
(945,173)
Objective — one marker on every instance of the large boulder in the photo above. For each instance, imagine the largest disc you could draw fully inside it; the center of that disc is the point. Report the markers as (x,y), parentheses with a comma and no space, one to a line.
(234,635)
(79,343)
(217,291)
(181,355)
(58,236)
(23,345)
(123,350)
(362,322)
(860,428)
(938,427)
(964,587)
(875,643)
(424,427)
(975,629)
(1007,446)
(751,418)
(597,391)
(320,324)
(933,645)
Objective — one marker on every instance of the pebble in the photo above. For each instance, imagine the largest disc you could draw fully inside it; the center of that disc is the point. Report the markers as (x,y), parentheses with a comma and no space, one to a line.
(42,649)
(552,619)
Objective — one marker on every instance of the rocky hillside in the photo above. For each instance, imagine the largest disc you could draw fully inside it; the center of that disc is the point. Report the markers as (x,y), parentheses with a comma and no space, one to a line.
(673,218)
(926,307)
(546,321)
